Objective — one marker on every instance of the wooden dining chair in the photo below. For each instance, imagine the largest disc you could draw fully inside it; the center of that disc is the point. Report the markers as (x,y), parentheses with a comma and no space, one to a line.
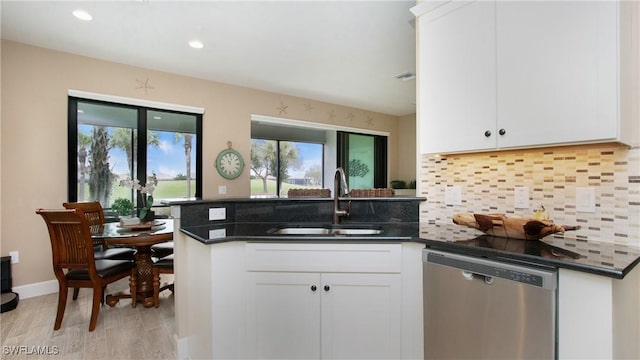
(162,249)
(74,263)
(161,266)
(94,213)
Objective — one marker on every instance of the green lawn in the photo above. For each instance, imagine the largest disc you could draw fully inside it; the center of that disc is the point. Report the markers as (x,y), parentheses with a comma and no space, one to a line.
(175,189)
(166,189)
(257,187)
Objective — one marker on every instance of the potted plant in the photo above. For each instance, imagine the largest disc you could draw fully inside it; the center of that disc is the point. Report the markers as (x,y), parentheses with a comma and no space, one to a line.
(402,188)
(146,193)
(122,207)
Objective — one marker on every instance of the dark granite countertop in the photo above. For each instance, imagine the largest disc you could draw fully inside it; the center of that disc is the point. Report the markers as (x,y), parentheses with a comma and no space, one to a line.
(263,231)
(586,255)
(591,256)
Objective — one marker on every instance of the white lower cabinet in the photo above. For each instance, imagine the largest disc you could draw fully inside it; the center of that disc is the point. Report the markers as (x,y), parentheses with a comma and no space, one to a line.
(252,300)
(323,316)
(329,314)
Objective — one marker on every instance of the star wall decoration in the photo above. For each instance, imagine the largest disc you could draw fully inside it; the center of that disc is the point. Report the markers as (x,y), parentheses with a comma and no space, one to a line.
(308,108)
(369,121)
(332,115)
(282,108)
(350,116)
(144,85)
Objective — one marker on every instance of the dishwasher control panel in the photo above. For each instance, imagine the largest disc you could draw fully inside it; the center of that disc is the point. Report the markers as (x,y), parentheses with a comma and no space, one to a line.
(486,269)
(519,276)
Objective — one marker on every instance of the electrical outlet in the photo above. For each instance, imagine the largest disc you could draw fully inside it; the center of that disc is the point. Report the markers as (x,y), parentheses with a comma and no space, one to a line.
(15,257)
(586,199)
(217,233)
(217,213)
(453,195)
(521,197)
(222,189)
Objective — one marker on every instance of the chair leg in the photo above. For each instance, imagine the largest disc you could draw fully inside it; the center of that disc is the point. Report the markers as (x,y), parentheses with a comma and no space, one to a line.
(76,291)
(62,303)
(156,287)
(133,283)
(95,306)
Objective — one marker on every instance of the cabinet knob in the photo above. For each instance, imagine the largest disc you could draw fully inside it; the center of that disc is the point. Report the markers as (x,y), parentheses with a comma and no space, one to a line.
(502,131)
(487,133)
(327,288)
(314,288)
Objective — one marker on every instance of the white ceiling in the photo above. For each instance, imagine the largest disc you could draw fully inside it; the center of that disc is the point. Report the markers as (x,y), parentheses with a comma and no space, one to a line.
(342,52)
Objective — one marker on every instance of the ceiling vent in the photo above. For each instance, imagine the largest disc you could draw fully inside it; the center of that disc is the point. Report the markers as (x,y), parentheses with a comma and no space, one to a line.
(405,76)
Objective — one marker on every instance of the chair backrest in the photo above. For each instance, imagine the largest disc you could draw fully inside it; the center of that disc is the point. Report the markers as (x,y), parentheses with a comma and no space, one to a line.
(92,211)
(71,243)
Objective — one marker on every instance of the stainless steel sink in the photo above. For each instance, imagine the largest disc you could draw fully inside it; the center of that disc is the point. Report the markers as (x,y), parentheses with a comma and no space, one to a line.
(356,231)
(325,230)
(302,231)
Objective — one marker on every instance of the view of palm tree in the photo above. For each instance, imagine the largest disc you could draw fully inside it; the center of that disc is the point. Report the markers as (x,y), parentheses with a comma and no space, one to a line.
(106,155)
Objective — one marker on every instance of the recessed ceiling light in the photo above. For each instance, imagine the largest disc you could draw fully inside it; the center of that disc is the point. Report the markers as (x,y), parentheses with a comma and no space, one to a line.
(157,117)
(196,44)
(82,15)
(80,111)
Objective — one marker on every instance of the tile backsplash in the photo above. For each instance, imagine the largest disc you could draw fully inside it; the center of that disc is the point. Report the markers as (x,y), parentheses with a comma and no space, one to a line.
(488,180)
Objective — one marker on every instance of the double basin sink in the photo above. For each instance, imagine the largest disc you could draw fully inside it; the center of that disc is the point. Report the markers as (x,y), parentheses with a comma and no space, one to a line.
(326,230)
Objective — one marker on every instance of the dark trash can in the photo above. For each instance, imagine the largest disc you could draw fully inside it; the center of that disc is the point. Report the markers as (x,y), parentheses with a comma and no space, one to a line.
(9,298)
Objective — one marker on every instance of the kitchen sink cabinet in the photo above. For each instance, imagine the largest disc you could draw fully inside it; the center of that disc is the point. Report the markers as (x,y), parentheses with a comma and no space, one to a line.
(506,74)
(252,299)
(323,315)
(324,301)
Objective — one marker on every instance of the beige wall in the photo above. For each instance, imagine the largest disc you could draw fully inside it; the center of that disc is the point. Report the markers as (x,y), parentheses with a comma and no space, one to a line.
(35,82)
(407,148)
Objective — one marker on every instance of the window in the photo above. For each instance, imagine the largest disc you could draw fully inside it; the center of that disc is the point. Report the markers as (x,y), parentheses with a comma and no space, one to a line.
(364,158)
(110,142)
(277,166)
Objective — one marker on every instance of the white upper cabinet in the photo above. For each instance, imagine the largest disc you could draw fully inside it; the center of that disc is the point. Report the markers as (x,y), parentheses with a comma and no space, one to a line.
(557,72)
(457,77)
(513,74)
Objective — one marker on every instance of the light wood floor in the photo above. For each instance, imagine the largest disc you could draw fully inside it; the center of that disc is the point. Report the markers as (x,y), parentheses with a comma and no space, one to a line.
(122,332)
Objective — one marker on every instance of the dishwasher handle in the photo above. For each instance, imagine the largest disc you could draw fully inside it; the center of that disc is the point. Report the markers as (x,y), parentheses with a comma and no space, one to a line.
(488,270)
(468,275)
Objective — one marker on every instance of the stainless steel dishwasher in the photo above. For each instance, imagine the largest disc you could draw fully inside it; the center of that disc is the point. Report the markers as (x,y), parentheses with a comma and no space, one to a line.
(476,308)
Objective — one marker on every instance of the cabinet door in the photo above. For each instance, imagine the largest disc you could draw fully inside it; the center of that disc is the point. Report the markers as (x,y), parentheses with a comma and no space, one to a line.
(283,315)
(557,72)
(361,316)
(457,77)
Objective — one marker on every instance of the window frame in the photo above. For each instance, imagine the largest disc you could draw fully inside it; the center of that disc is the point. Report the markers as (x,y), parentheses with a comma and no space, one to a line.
(141,156)
(381,161)
(277,147)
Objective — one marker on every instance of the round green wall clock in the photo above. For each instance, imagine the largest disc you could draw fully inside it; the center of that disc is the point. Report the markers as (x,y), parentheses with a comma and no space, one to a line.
(229,163)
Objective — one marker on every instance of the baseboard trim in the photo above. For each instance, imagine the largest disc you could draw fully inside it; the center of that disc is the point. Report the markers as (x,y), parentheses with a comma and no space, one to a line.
(182,348)
(36,289)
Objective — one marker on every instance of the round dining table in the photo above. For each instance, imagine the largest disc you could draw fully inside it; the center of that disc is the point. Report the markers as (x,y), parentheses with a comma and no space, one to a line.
(141,237)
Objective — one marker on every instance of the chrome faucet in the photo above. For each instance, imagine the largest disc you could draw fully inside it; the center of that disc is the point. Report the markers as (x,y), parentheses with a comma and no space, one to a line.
(339,179)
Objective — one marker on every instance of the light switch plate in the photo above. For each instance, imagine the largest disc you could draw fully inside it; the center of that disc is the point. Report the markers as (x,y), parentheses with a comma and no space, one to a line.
(15,257)
(222,190)
(217,233)
(217,213)
(453,195)
(586,199)
(521,197)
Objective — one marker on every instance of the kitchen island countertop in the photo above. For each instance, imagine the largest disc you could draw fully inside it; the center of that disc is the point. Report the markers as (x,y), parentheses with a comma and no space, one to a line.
(585,255)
